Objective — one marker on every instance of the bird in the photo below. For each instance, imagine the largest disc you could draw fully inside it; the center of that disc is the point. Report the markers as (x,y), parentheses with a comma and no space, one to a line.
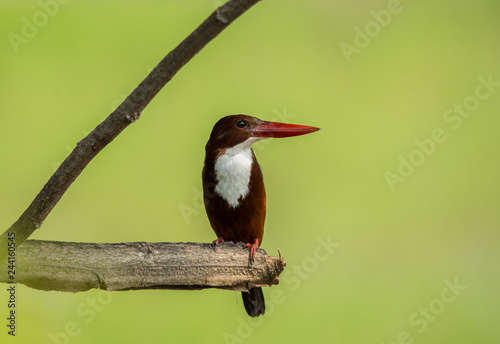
(233,186)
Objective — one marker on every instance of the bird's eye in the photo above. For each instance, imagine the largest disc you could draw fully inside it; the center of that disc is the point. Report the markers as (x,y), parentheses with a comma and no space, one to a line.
(242,124)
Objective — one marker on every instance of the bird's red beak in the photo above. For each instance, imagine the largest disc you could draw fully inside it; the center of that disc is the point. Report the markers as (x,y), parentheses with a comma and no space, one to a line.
(275,129)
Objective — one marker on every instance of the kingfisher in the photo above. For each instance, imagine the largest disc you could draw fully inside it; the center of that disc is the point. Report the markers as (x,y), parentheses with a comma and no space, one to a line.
(233,186)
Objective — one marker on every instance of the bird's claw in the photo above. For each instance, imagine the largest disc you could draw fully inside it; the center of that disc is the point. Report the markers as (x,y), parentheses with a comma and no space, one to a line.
(217,242)
(253,250)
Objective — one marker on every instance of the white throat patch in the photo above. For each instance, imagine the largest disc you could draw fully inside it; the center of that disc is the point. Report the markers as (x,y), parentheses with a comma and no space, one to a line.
(233,170)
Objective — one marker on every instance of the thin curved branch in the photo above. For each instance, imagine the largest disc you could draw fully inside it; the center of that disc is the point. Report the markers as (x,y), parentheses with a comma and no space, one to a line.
(128,112)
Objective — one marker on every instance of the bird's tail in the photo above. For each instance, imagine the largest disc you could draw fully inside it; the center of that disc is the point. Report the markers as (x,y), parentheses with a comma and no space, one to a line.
(254,302)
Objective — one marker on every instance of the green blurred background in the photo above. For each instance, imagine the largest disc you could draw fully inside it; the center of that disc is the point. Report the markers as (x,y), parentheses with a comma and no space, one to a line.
(398,247)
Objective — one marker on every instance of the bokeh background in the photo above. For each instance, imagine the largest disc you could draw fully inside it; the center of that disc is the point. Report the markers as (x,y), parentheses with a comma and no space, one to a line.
(413,224)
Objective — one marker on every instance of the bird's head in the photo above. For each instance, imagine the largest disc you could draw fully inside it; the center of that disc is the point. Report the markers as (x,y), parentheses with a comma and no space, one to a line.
(233,130)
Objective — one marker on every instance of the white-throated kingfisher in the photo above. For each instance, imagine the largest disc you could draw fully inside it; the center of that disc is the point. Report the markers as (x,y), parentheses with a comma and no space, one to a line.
(233,187)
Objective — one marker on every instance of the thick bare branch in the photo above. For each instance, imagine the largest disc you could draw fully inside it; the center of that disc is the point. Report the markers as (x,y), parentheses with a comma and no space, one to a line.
(68,266)
(114,124)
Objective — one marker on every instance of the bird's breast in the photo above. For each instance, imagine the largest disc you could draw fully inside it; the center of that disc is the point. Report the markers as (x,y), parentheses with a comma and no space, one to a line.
(233,169)
(234,194)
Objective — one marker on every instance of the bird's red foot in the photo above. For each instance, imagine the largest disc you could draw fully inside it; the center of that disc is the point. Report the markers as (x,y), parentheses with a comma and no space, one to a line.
(218,241)
(253,249)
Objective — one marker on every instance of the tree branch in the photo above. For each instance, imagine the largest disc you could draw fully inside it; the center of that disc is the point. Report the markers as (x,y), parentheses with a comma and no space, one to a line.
(128,112)
(68,266)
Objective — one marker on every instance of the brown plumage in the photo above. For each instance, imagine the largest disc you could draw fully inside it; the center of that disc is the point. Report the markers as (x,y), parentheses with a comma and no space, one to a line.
(233,186)
(244,223)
